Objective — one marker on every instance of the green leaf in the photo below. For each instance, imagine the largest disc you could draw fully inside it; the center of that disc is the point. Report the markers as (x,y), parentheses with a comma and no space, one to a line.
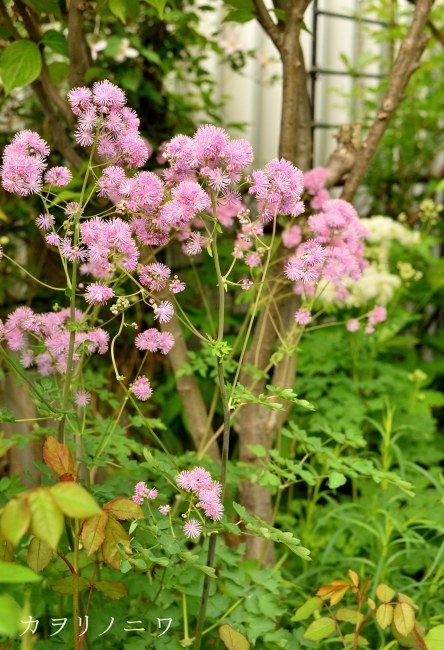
(435,638)
(336,479)
(10,618)
(46,518)
(321,628)
(113,590)
(6,416)
(44,6)
(55,41)
(12,573)
(74,501)
(39,555)
(350,638)
(20,64)
(238,16)
(15,520)
(66,585)
(261,528)
(125,9)
(159,6)
(232,639)
(307,609)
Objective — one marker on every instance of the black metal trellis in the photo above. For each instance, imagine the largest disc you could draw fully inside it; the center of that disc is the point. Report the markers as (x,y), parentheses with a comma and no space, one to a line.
(315,71)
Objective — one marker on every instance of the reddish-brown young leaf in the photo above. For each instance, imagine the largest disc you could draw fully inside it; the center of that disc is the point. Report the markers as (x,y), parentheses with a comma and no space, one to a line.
(123,508)
(58,457)
(93,532)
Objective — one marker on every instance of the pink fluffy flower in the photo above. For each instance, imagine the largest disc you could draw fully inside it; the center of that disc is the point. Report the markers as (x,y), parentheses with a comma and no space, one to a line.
(23,163)
(176,285)
(155,276)
(163,312)
(164,510)
(58,176)
(192,528)
(142,491)
(45,221)
(314,180)
(352,325)
(82,397)
(377,315)
(302,316)
(98,293)
(292,237)
(278,189)
(142,388)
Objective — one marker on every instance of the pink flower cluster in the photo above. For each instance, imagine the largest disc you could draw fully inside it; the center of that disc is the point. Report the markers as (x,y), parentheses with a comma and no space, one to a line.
(141,388)
(104,118)
(199,482)
(219,159)
(23,163)
(377,315)
(25,330)
(334,254)
(154,341)
(107,244)
(142,492)
(278,189)
(314,184)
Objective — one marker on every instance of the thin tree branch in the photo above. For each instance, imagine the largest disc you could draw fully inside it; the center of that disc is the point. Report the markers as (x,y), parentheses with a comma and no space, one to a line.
(78,51)
(406,63)
(269,26)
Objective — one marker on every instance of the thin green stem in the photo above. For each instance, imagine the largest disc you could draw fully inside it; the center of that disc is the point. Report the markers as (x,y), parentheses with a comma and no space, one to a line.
(23,270)
(75,589)
(226,429)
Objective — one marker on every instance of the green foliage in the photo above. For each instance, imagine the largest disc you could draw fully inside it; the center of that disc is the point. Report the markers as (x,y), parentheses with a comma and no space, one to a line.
(20,64)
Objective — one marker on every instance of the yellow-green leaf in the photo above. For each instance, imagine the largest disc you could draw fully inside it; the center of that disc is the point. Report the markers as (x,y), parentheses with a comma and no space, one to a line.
(404,618)
(13,573)
(10,617)
(46,518)
(384,615)
(113,590)
(320,629)
(349,615)
(39,555)
(74,500)
(124,508)
(353,577)
(15,520)
(435,638)
(307,609)
(385,593)
(232,639)
(350,638)
(6,549)
(115,534)
(93,532)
